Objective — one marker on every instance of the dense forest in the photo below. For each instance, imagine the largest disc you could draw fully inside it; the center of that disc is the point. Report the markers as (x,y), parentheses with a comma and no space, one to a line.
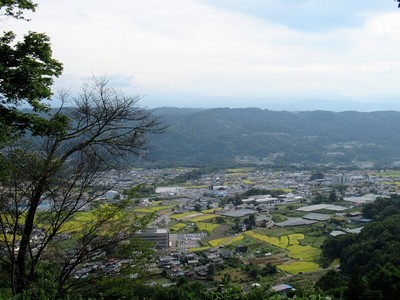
(209,136)
(369,261)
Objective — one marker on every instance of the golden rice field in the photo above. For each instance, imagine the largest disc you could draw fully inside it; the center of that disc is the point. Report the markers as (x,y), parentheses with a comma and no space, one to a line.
(295,237)
(396,183)
(198,249)
(226,241)
(278,242)
(78,221)
(211,211)
(246,181)
(291,244)
(209,227)
(204,217)
(305,253)
(184,215)
(299,267)
(188,186)
(389,174)
(241,170)
(178,226)
(81,220)
(153,209)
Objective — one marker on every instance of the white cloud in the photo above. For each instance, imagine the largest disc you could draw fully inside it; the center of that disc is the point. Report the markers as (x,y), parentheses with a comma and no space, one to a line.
(183,46)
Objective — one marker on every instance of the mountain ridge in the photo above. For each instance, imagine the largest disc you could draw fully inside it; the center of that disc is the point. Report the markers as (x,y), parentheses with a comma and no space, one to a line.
(209,136)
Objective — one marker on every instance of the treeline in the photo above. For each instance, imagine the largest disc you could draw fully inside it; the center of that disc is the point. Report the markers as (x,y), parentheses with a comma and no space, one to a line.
(369,261)
(183,290)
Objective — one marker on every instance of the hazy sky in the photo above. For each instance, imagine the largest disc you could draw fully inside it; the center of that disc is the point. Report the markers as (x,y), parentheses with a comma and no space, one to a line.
(237,53)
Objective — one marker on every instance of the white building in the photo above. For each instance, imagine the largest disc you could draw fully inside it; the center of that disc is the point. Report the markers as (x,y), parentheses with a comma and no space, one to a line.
(158,236)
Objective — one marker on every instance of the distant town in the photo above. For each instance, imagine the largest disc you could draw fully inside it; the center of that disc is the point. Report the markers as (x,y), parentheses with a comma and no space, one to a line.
(203,227)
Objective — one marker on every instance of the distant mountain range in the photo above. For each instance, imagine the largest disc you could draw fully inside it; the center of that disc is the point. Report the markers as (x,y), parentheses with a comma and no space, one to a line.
(224,135)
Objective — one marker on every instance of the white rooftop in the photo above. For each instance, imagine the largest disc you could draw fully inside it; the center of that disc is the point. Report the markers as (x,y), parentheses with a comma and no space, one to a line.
(322,206)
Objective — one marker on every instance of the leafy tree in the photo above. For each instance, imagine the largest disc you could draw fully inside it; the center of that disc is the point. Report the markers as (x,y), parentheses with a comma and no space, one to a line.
(101,130)
(332,283)
(382,207)
(385,281)
(318,175)
(269,269)
(140,190)
(250,222)
(332,196)
(197,207)
(27,71)
(220,220)
(369,260)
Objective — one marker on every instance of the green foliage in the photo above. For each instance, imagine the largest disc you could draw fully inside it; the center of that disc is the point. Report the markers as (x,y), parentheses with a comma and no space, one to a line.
(268,269)
(217,136)
(332,197)
(15,8)
(220,220)
(197,207)
(370,260)
(382,207)
(255,270)
(27,71)
(122,289)
(256,191)
(192,175)
(318,175)
(332,247)
(332,283)
(140,190)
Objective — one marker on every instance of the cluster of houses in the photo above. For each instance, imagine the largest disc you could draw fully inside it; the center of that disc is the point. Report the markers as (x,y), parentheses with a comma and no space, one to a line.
(192,265)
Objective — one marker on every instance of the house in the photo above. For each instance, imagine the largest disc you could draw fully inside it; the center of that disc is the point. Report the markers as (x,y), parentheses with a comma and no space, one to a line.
(282,288)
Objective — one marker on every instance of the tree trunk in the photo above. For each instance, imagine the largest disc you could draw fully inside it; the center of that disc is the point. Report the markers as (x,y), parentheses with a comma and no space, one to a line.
(21,280)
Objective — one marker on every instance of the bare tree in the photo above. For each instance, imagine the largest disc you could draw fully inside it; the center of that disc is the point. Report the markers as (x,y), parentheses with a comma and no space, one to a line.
(101,131)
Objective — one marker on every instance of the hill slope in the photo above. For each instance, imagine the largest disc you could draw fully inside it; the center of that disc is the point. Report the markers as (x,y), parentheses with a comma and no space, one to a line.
(209,136)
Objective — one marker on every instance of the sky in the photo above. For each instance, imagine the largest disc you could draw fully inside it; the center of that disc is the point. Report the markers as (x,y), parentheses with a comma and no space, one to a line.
(272,54)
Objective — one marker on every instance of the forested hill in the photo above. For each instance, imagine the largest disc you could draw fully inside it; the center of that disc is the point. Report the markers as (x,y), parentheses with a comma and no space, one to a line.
(209,136)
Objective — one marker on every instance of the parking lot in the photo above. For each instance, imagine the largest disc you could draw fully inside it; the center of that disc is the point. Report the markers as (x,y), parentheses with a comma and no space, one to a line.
(185,241)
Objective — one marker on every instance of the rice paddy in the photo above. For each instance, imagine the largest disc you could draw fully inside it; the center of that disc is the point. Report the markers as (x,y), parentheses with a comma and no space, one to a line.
(226,241)
(183,215)
(209,227)
(204,217)
(178,227)
(307,255)
(297,267)
(153,209)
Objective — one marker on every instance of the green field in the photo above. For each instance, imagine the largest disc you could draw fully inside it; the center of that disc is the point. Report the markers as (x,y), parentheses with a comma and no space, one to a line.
(299,267)
(211,211)
(306,254)
(183,215)
(209,227)
(388,174)
(204,217)
(240,170)
(199,249)
(226,241)
(178,227)
(153,209)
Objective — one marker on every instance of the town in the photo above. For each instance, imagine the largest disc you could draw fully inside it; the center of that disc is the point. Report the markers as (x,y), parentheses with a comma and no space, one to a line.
(204,225)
